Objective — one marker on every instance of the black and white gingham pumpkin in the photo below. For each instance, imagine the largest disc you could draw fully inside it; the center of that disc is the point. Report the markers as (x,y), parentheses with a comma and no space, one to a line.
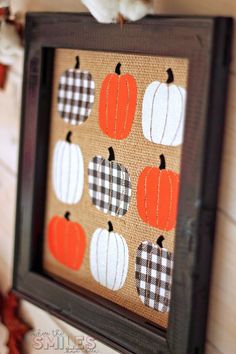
(75,95)
(153,274)
(68,171)
(109,258)
(109,185)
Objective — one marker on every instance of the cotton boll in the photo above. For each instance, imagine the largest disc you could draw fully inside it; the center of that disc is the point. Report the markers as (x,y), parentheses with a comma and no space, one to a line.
(108,11)
(10,46)
(105,11)
(134,10)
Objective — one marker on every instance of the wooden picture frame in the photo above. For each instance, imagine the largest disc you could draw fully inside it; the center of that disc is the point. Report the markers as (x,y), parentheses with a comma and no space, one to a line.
(205,42)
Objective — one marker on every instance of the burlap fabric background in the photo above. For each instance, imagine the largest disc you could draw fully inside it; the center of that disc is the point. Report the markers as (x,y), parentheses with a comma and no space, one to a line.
(134,153)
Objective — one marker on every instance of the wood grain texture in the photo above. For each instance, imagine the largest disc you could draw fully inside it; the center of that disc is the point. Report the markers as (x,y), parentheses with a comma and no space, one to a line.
(220,338)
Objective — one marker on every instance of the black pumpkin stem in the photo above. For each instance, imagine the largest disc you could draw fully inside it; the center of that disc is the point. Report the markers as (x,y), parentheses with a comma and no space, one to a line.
(77,62)
(111,154)
(163,162)
(110,226)
(68,137)
(67,216)
(117,70)
(170,78)
(160,240)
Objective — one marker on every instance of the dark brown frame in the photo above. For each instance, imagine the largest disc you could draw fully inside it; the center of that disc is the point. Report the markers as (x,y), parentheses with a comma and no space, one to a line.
(206,43)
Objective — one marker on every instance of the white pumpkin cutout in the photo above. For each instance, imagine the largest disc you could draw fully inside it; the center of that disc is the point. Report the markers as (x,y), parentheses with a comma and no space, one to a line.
(109,258)
(68,171)
(163,112)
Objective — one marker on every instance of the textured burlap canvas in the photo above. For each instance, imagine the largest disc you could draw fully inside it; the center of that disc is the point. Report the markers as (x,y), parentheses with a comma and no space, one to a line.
(135,153)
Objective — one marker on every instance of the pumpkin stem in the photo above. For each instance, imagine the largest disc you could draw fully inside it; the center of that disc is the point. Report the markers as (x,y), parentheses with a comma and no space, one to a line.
(77,62)
(163,162)
(110,226)
(111,154)
(67,216)
(68,137)
(170,78)
(160,240)
(117,70)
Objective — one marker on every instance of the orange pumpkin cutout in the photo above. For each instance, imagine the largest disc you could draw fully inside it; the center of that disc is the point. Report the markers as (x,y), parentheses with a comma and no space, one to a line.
(157,196)
(117,105)
(67,241)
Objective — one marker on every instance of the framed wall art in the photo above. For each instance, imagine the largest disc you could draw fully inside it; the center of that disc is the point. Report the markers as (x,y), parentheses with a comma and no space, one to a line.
(119,169)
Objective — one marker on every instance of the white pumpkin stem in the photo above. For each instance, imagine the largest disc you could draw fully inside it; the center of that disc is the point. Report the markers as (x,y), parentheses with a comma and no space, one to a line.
(68,137)
(67,216)
(170,78)
(110,226)
(163,162)
(117,70)
(111,154)
(77,62)
(160,240)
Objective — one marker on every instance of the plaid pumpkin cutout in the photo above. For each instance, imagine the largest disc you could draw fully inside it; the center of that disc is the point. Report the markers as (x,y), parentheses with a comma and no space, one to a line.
(109,186)
(153,274)
(75,96)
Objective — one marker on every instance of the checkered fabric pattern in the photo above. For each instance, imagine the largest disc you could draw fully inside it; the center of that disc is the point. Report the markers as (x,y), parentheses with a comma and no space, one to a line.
(153,274)
(109,186)
(75,96)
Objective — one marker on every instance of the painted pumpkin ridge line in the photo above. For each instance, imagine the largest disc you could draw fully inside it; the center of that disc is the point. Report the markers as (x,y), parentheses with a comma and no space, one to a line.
(69,171)
(62,158)
(107,257)
(126,108)
(122,192)
(79,228)
(55,161)
(73,94)
(151,123)
(181,117)
(167,113)
(117,251)
(76,229)
(56,181)
(158,196)
(97,246)
(117,100)
(123,275)
(118,72)
(110,185)
(100,171)
(171,200)
(66,242)
(107,102)
(77,177)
